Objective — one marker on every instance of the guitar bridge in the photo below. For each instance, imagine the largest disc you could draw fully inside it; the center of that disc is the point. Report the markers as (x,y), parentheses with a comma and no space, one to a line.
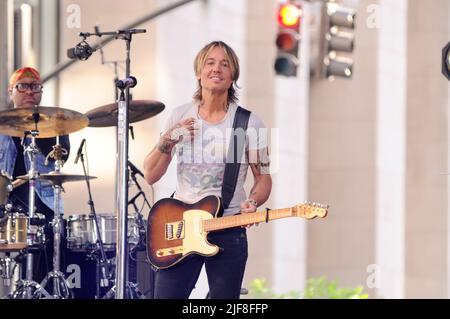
(175,230)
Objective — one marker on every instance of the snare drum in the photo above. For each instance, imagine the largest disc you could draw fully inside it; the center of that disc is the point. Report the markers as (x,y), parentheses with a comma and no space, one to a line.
(13,232)
(82,236)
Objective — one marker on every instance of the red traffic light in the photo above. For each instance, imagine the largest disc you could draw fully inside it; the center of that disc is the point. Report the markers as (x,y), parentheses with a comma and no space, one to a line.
(287,40)
(289,15)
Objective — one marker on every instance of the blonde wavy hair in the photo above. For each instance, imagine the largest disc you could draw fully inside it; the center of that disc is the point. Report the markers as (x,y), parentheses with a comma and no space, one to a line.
(200,61)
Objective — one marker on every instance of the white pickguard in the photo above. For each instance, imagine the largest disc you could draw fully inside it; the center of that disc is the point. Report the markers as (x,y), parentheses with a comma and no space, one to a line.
(194,237)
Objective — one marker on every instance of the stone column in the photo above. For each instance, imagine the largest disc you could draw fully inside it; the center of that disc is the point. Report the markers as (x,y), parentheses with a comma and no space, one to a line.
(6,49)
(342,165)
(387,274)
(426,197)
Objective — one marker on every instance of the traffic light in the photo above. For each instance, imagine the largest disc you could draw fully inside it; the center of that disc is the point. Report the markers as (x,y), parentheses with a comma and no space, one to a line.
(339,24)
(288,38)
(446,61)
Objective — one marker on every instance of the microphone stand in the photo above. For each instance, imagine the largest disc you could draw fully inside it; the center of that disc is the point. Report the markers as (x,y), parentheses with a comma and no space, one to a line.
(141,192)
(132,202)
(122,288)
(101,261)
(122,158)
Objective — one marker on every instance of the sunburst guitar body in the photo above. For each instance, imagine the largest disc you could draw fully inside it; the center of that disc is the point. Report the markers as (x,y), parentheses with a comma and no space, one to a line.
(177,229)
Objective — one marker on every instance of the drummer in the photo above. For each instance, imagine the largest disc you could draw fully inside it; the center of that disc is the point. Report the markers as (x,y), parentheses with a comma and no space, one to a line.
(25,90)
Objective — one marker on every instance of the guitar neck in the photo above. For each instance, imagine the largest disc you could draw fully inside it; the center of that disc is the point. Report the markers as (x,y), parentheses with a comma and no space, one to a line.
(245,219)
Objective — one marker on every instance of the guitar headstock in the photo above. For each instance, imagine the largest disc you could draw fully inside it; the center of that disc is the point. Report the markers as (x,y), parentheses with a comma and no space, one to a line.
(310,210)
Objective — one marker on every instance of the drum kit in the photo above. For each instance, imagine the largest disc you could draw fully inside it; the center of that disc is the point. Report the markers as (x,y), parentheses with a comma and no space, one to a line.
(23,232)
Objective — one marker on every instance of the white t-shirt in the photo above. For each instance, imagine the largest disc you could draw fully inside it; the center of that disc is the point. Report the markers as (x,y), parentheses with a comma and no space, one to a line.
(201,162)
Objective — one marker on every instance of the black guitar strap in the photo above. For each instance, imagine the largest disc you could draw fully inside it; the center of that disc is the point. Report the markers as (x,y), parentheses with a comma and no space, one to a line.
(234,156)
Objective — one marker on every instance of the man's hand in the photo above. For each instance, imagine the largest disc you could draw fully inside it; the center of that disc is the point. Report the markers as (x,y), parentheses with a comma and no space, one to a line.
(246,208)
(183,130)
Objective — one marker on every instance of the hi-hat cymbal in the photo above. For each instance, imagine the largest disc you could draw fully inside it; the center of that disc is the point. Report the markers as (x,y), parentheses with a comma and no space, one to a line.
(52,121)
(139,110)
(58,178)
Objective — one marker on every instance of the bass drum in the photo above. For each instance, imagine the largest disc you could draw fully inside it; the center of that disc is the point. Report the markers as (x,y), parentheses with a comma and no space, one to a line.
(83,279)
(81,274)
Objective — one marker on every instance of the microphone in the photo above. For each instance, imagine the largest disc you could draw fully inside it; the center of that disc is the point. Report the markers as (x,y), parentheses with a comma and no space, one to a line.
(80,150)
(128,82)
(134,169)
(82,51)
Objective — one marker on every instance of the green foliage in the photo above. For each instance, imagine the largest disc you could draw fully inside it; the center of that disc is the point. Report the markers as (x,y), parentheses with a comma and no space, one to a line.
(321,288)
(259,290)
(316,288)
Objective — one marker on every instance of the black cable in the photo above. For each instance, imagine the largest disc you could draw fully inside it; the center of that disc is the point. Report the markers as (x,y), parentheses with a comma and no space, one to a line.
(142,208)
(87,158)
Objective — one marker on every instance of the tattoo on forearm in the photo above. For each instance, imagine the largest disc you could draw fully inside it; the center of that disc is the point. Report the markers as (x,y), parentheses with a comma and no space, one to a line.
(165,147)
(262,168)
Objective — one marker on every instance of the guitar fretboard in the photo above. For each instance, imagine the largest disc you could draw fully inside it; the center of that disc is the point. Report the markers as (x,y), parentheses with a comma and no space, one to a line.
(245,219)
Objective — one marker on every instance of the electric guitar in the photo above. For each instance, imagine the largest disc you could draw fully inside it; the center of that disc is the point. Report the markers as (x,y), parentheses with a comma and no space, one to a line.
(176,229)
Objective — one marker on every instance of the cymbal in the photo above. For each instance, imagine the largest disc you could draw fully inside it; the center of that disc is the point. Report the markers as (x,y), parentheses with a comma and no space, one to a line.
(58,178)
(53,121)
(138,110)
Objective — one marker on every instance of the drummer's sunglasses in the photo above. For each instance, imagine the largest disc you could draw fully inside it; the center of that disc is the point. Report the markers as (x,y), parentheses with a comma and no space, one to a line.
(34,87)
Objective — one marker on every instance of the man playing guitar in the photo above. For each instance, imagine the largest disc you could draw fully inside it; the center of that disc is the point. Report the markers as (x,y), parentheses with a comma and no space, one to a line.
(199,133)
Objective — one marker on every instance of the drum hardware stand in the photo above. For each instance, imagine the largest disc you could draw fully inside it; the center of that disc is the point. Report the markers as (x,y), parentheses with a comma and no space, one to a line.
(103,271)
(61,288)
(141,224)
(132,292)
(6,270)
(29,289)
(134,171)
(102,263)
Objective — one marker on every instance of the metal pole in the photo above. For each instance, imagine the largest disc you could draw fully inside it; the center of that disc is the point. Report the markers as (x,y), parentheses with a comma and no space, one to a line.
(122,185)
(31,151)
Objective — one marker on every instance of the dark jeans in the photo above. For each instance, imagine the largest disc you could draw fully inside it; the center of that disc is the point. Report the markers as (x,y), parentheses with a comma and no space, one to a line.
(225,271)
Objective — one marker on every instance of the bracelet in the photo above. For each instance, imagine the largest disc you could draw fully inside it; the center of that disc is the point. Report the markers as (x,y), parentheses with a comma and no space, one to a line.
(252,202)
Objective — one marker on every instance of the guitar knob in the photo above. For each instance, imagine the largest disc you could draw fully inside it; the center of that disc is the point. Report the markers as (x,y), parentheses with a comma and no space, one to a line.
(159,253)
(171,251)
